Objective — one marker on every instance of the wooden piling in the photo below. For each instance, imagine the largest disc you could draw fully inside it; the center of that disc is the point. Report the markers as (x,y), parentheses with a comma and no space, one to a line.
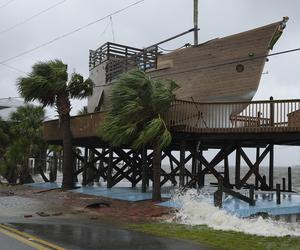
(251,192)
(182,164)
(110,167)
(238,168)
(271,167)
(289,179)
(257,171)
(278,201)
(218,194)
(283,185)
(144,170)
(84,173)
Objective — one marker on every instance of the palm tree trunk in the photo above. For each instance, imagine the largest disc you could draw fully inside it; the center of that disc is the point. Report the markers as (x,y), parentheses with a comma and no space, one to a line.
(63,107)
(156,193)
(68,180)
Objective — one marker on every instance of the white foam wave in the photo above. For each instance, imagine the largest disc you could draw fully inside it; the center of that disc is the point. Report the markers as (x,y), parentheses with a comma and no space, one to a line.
(196,210)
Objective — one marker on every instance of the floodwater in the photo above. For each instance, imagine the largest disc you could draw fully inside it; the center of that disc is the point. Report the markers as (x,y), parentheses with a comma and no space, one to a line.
(196,210)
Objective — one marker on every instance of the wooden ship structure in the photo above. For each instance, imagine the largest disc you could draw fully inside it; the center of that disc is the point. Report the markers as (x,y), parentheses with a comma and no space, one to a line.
(213,110)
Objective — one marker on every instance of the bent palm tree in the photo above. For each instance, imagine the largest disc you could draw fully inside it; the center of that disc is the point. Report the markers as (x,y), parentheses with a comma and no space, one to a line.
(134,118)
(48,83)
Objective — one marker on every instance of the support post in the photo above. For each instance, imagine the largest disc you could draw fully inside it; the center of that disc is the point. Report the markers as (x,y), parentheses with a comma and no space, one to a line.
(145,170)
(289,179)
(182,164)
(226,172)
(84,173)
(251,192)
(271,167)
(257,171)
(263,185)
(134,170)
(278,194)
(238,168)
(218,194)
(110,167)
(201,175)
(283,185)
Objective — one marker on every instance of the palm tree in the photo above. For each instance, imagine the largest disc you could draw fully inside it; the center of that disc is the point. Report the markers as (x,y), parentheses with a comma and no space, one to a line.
(48,83)
(135,117)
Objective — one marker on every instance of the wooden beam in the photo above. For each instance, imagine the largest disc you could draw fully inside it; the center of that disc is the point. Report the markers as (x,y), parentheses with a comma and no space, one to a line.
(253,167)
(144,170)
(110,167)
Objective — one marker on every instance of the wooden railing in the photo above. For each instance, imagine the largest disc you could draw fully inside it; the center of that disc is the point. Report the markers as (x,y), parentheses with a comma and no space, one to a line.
(272,115)
(122,58)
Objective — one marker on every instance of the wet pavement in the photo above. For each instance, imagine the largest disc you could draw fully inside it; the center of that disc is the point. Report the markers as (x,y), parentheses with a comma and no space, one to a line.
(100,236)
(9,243)
(75,231)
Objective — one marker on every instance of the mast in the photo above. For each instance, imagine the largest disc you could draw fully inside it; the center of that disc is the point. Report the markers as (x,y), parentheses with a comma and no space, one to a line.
(195,22)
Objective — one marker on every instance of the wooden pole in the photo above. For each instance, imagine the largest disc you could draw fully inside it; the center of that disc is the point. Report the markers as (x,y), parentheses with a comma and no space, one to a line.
(195,22)
(226,172)
(201,175)
(271,167)
(278,194)
(238,168)
(283,185)
(145,170)
(84,173)
(251,192)
(110,167)
(289,179)
(257,171)
(182,164)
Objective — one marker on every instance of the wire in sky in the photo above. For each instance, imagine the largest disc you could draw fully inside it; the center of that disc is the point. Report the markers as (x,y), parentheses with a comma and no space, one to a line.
(31,17)
(71,32)
(7,3)
(13,68)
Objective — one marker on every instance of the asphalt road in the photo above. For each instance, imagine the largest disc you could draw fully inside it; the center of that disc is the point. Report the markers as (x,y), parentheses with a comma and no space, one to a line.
(10,243)
(92,236)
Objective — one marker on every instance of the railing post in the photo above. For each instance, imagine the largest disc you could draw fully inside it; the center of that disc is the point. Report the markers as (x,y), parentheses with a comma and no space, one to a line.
(271,111)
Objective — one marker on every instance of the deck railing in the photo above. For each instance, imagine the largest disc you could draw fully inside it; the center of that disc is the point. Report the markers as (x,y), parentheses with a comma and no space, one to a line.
(272,115)
(122,58)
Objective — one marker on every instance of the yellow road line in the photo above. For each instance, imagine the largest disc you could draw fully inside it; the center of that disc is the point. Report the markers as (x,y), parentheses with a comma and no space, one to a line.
(28,239)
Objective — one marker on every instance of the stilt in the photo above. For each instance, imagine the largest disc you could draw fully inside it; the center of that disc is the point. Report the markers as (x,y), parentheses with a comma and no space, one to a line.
(271,167)
(201,175)
(144,170)
(283,185)
(84,173)
(257,171)
(134,169)
(289,179)
(110,167)
(182,164)
(238,168)
(226,173)
(278,194)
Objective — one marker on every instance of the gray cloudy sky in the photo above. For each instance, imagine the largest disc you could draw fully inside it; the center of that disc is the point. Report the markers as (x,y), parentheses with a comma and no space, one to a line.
(144,24)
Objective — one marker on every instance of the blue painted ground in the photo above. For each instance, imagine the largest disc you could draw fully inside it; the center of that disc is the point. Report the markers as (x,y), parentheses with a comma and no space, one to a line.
(265,203)
(120,193)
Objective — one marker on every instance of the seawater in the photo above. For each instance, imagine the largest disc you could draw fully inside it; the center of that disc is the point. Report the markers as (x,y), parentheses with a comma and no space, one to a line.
(196,210)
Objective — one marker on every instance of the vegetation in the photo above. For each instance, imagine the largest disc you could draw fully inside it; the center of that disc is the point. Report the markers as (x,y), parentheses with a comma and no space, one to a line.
(135,117)
(223,240)
(24,134)
(49,84)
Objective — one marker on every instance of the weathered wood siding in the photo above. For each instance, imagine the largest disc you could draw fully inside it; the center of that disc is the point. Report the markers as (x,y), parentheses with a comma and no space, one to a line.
(82,126)
(203,71)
